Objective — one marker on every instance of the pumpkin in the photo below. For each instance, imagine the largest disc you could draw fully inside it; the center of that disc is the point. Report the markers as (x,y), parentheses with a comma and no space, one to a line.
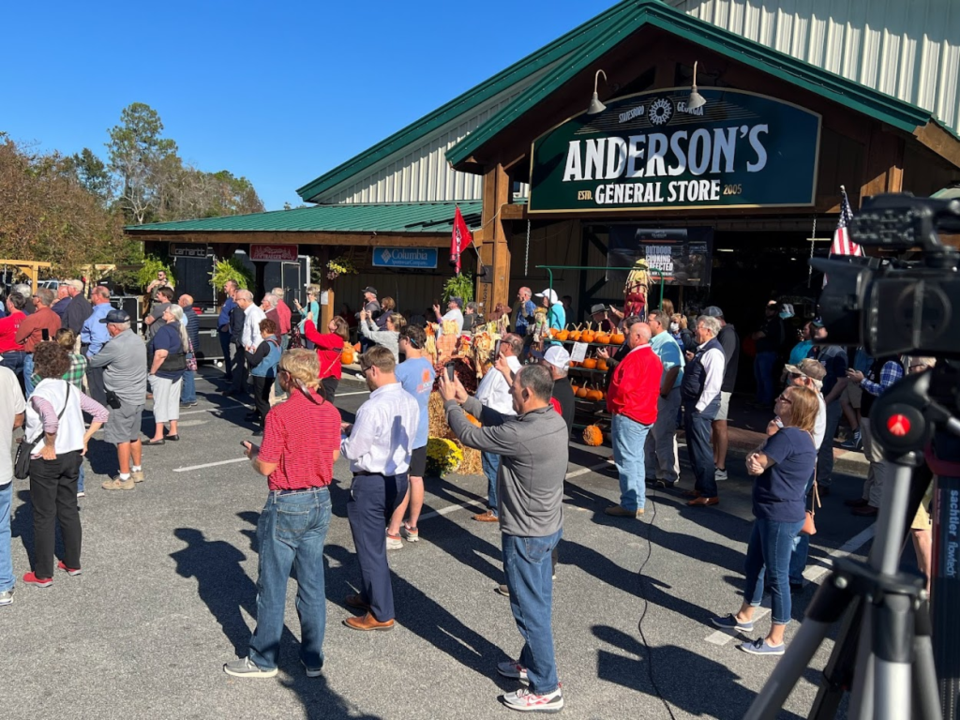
(581,392)
(602,338)
(575,334)
(562,335)
(618,338)
(346,356)
(574,388)
(601,364)
(587,335)
(472,419)
(593,435)
(590,363)
(594,395)
(356,347)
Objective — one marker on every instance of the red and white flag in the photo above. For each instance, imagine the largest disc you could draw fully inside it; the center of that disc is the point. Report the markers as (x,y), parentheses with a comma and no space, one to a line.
(842,243)
(460,240)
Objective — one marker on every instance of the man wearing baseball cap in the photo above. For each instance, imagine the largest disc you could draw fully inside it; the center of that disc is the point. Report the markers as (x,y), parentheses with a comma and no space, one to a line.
(557,360)
(124,360)
(556,314)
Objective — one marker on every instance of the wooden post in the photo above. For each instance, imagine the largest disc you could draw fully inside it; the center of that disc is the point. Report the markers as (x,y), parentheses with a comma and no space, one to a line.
(883,164)
(326,285)
(494,249)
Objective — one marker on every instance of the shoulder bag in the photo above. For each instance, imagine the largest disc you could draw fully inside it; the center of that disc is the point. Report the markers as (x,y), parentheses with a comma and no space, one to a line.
(809,526)
(21,465)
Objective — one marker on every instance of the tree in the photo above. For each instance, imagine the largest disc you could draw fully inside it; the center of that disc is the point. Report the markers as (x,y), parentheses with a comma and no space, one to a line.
(139,158)
(91,173)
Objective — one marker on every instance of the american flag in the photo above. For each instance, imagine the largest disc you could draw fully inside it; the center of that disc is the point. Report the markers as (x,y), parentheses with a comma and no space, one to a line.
(842,244)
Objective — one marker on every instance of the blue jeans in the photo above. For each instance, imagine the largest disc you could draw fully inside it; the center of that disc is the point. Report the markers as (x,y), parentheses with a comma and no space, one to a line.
(825,454)
(491,467)
(698,426)
(13,360)
(801,547)
(529,571)
(80,477)
(188,393)
(629,439)
(771,544)
(6,559)
(291,533)
(763,366)
(27,372)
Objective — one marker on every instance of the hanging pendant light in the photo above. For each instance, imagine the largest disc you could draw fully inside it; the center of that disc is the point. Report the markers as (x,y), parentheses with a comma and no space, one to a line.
(596,107)
(696,100)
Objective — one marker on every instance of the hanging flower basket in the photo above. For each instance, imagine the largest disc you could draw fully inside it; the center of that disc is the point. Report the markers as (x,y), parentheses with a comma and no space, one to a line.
(340,266)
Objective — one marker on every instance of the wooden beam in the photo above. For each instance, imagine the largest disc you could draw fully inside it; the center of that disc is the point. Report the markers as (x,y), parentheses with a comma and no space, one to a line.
(939,141)
(494,249)
(883,165)
(301,238)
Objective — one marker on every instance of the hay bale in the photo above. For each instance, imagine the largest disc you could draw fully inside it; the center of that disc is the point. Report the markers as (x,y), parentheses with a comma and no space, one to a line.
(439,428)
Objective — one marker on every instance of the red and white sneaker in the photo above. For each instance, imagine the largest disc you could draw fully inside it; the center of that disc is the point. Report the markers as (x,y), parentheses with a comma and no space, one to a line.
(72,572)
(32,579)
(525,700)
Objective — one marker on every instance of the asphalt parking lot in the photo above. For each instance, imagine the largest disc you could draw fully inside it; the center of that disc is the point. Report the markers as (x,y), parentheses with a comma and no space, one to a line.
(169,587)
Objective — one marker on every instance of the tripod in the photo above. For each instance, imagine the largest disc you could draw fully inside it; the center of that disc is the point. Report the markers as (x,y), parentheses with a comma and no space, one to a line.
(886,638)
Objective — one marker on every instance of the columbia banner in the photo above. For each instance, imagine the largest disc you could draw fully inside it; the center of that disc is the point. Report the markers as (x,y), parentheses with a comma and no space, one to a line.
(649,152)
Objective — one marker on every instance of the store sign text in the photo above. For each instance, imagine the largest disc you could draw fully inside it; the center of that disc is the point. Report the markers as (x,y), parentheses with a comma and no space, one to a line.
(739,149)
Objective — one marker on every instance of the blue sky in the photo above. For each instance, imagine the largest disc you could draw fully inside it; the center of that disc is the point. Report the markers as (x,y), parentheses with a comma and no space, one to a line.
(279,92)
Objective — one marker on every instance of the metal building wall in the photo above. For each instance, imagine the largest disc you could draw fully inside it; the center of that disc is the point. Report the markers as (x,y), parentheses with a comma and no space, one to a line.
(421,173)
(906,48)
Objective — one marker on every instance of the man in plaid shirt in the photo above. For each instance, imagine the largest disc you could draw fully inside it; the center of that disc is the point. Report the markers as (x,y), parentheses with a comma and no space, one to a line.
(882,374)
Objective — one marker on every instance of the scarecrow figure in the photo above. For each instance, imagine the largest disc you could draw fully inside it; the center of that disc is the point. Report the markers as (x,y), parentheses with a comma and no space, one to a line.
(635,290)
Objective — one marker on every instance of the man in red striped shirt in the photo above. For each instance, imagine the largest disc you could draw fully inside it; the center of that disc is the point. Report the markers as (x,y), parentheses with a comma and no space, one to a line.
(293,525)
(632,400)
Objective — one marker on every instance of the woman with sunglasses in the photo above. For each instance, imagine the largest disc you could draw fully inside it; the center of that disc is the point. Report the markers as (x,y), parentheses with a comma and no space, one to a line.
(782,466)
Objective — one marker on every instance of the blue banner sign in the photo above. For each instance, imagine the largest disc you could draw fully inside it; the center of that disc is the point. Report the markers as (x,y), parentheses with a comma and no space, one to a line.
(402,257)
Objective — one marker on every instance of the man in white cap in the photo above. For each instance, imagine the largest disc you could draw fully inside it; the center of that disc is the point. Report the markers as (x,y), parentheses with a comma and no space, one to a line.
(556,314)
(557,360)
(454,313)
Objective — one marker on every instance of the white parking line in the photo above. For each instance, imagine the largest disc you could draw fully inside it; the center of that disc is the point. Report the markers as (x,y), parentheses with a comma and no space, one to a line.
(358,392)
(209,465)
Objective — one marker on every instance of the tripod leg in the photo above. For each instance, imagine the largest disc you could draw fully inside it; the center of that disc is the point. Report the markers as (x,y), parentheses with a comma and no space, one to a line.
(861,692)
(838,674)
(925,684)
(827,606)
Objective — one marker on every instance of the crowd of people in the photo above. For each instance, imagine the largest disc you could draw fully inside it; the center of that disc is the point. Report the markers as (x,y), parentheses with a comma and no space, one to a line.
(670,373)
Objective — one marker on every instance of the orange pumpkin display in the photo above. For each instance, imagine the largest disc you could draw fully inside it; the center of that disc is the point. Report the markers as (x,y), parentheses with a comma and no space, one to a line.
(593,435)
(346,356)
(575,334)
(574,388)
(601,364)
(595,395)
(562,335)
(587,335)
(618,338)
(581,392)
(602,338)
(590,363)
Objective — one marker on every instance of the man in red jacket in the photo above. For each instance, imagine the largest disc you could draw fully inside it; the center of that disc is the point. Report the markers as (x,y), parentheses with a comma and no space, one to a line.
(632,400)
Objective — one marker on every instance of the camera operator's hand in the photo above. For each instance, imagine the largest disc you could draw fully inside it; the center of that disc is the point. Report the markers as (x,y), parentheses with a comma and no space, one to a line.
(448,388)
(603,354)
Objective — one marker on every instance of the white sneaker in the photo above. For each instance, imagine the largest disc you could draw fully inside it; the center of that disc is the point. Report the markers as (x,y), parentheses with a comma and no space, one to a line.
(525,700)
(394,543)
(720,475)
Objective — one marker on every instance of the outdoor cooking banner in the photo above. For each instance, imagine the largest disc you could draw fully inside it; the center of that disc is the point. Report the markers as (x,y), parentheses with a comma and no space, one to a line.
(683,255)
(650,152)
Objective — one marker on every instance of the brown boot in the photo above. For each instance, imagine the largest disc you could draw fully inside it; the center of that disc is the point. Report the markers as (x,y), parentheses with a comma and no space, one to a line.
(704,501)
(620,511)
(356,602)
(488,516)
(367,622)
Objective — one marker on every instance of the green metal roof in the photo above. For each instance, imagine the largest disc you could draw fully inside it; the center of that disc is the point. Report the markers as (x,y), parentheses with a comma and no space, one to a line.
(433,218)
(634,14)
(464,103)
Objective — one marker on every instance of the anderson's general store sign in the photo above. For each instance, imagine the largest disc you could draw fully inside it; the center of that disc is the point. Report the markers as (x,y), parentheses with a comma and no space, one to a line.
(648,151)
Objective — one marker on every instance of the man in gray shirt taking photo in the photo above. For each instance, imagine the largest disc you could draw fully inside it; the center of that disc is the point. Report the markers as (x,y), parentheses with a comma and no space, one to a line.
(534,451)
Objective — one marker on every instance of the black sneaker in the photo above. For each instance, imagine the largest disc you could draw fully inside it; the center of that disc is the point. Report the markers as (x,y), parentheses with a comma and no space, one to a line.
(189,404)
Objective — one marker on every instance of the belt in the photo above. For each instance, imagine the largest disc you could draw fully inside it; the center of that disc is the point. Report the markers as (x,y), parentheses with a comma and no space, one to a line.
(297,492)
(375,474)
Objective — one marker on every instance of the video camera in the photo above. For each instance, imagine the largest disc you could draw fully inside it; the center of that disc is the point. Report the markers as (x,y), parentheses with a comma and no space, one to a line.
(897,307)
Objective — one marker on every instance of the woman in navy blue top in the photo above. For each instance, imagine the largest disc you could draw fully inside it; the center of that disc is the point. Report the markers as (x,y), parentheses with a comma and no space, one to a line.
(782,466)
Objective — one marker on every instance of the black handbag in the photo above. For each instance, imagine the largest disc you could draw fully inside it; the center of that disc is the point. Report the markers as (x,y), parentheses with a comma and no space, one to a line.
(21,465)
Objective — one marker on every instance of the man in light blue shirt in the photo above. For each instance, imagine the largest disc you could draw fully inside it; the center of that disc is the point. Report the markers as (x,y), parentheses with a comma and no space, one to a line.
(93,336)
(663,467)
(556,313)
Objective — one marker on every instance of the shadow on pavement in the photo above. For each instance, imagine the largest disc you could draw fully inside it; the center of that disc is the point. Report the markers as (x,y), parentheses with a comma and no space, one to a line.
(700,686)
(320,702)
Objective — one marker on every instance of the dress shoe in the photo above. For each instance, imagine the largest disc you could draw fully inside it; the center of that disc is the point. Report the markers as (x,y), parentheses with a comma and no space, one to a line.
(858,503)
(356,602)
(704,501)
(866,511)
(488,516)
(618,511)
(367,622)
(691,494)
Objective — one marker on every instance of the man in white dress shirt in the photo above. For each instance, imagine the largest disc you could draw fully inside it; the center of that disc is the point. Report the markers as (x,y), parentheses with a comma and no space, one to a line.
(494,392)
(249,336)
(379,448)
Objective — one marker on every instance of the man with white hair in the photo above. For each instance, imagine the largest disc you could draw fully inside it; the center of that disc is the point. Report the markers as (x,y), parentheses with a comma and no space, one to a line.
(79,308)
(26,292)
(700,394)
(188,393)
(63,300)
(250,337)
(124,363)
(283,310)
(269,307)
